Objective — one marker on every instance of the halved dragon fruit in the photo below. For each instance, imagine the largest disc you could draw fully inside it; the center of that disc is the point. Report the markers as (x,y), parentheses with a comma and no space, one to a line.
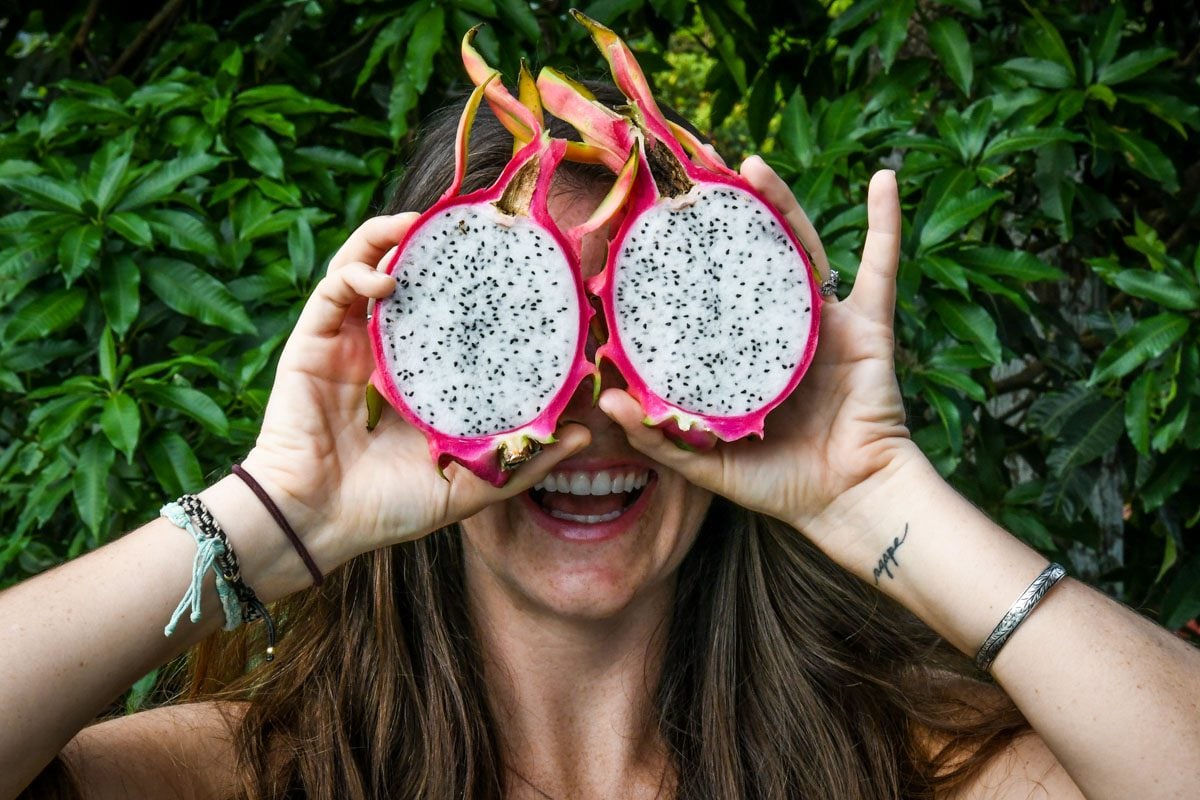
(709,299)
(482,343)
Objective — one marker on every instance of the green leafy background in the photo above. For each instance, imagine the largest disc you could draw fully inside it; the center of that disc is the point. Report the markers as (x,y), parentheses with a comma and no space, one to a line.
(174,176)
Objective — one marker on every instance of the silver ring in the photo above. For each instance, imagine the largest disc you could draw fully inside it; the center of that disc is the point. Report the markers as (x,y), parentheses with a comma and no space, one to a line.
(829,286)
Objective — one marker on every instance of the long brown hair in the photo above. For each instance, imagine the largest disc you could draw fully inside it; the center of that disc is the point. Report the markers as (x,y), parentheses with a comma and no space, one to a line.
(783,677)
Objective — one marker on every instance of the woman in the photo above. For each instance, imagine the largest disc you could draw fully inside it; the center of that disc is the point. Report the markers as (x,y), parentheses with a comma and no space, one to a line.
(703,648)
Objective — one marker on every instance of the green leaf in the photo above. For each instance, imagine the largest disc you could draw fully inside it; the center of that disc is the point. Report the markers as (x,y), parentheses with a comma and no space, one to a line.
(956,357)
(193,293)
(387,39)
(287,100)
(11,382)
(1136,63)
(1148,339)
(423,46)
(853,15)
(1044,40)
(402,100)
(518,14)
(950,416)
(107,353)
(44,192)
(1087,436)
(254,217)
(90,483)
(131,226)
(106,174)
(139,693)
(1104,46)
(1028,528)
(259,150)
(174,464)
(1171,427)
(192,402)
(1143,155)
(956,380)
(62,419)
(47,314)
(301,249)
(969,323)
(946,272)
(1023,141)
(949,41)
(332,159)
(1040,72)
(1159,287)
(120,282)
(796,129)
(121,423)
(77,250)
(726,46)
(1014,264)
(161,179)
(1137,412)
(953,213)
(1182,601)
(182,231)
(1169,476)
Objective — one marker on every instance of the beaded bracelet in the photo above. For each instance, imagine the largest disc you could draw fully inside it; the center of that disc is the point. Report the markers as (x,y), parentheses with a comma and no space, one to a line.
(238,600)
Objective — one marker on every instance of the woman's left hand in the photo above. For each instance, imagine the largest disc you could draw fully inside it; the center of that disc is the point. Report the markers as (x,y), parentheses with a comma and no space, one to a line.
(845,421)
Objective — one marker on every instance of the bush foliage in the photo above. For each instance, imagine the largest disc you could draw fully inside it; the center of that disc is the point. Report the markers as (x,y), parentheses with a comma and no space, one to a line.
(173,178)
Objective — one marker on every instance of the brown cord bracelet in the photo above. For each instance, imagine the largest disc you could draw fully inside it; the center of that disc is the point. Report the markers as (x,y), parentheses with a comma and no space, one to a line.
(277,515)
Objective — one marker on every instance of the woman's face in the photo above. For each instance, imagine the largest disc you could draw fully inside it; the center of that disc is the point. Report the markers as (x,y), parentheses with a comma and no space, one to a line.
(617,525)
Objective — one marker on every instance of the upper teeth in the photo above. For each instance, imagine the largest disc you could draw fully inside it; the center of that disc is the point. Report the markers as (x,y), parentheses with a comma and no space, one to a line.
(589,483)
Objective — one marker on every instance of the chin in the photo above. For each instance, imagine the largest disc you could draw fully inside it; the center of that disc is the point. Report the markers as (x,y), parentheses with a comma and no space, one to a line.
(597,540)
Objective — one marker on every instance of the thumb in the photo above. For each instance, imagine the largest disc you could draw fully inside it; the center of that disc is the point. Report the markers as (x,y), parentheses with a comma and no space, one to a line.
(704,468)
(472,493)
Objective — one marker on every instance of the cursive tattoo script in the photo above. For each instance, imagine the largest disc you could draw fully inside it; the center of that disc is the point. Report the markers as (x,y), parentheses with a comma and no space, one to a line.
(889,555)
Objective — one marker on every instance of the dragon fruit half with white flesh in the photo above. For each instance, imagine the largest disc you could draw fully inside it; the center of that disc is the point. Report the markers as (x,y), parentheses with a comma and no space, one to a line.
(709,299)
(482,343)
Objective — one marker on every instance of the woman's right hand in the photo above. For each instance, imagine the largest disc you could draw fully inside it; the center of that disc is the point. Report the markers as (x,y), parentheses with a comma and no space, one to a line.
(347,490)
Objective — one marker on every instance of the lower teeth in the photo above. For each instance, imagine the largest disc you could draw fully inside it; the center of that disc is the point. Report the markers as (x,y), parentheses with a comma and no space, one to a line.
(590,519)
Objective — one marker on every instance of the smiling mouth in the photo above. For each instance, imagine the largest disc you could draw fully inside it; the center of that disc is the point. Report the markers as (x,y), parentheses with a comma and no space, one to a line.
(590,498)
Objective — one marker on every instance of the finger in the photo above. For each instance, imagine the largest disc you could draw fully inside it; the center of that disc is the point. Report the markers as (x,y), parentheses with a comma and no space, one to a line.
(472,493)
(874,292)
(337,293)
(372,240)
(703,468)
(764,179)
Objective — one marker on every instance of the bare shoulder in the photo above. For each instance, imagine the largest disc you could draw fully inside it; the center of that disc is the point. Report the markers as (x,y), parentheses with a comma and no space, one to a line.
(183,751)
(1025,770)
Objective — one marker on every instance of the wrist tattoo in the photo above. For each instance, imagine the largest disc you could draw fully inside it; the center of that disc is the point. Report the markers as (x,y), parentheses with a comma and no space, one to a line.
(889,556)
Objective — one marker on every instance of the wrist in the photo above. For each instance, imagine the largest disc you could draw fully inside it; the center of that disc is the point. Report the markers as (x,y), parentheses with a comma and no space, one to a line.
(270,562)
(909,533)
(856,518)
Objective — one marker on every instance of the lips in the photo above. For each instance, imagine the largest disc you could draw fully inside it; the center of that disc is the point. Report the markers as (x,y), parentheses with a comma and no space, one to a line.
(588,503)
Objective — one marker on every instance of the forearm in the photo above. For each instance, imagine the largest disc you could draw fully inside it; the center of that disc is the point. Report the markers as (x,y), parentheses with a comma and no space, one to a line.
(1116,698)
(78,636)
